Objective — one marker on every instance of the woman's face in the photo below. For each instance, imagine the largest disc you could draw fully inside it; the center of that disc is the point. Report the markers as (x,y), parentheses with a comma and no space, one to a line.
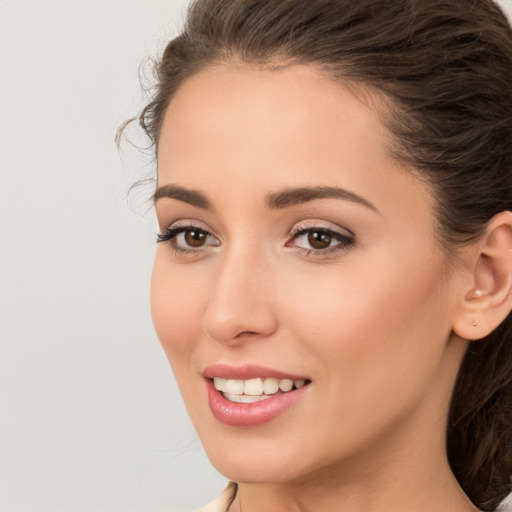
(295,249)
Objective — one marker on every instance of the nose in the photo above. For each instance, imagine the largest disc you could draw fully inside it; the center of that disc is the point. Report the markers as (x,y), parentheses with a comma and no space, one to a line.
(241,304)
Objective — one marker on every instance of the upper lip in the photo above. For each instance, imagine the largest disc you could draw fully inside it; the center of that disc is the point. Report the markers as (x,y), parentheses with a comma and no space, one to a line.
(247,371)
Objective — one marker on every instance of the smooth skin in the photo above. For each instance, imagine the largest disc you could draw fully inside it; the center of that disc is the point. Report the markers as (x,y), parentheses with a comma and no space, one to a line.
(356,293)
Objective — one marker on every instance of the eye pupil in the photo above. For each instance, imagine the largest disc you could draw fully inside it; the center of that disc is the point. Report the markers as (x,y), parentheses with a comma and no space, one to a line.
(319,240)
(195,238)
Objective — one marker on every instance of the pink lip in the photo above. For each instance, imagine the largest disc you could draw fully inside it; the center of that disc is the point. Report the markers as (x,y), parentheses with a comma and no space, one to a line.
(250,415)
(248,371)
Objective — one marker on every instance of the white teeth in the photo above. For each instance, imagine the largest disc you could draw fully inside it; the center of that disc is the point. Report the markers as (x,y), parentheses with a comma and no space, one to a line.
(248,390)
(219,383)
(245,399)
(286,385)
(270,386)
(234,386)
(253,387)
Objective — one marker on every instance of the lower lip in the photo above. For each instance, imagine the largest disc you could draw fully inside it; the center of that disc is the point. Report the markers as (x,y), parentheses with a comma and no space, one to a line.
(250,415)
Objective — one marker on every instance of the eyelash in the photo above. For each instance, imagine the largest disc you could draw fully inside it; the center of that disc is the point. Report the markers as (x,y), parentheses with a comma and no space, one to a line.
(345,242)
(170,234)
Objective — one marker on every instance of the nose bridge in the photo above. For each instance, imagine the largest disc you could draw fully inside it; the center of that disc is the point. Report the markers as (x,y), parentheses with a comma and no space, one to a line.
(240,300)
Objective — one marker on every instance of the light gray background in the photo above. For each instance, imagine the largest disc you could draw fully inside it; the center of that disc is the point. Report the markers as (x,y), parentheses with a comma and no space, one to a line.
(90,418)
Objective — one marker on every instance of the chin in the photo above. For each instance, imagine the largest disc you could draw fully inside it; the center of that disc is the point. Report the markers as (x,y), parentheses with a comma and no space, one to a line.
(241,468)
(259,457)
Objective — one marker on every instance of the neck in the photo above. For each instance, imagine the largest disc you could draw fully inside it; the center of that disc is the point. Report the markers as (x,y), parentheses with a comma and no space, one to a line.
(419,486)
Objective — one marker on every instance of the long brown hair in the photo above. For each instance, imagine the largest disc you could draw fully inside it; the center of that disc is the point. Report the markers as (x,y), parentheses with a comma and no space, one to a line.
(446,68)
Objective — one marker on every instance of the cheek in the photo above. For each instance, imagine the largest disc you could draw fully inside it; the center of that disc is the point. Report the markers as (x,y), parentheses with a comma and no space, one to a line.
(176,305)
(373,341)
(366,325)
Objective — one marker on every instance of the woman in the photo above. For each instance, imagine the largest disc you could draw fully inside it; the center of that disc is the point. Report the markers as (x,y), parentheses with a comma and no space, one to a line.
(332,285)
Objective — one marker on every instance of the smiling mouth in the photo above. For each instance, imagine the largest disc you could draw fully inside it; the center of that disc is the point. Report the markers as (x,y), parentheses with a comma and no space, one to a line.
(255,390)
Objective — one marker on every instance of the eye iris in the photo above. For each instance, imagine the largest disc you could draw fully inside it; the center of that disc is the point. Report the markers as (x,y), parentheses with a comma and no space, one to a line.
(195,238)
(319,239)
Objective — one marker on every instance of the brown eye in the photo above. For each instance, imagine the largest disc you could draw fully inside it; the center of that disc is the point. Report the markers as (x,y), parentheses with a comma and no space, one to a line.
(188,239)
(195,237)
(319,239)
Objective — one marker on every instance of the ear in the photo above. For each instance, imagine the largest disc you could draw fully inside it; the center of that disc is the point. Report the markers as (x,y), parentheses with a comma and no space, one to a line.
(487,299)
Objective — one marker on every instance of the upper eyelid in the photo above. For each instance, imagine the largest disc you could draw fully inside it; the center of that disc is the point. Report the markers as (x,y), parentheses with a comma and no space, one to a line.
(320,225)
(186,227)
(186,223)
(189,223)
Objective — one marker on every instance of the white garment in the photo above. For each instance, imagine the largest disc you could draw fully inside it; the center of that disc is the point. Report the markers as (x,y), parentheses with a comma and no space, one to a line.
(222,502)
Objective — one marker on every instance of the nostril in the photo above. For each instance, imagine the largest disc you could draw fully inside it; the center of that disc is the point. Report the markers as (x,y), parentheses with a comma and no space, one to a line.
(246,333)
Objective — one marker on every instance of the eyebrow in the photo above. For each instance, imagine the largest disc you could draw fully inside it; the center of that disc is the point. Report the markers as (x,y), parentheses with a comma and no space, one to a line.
(274,201)
(297,196)
(186,195)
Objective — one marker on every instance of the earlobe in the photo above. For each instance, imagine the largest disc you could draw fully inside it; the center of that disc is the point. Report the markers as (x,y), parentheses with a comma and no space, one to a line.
(489,300)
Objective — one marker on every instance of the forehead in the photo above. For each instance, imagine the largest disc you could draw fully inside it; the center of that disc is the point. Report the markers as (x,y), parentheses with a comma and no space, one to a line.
(241,131)
(254,114)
